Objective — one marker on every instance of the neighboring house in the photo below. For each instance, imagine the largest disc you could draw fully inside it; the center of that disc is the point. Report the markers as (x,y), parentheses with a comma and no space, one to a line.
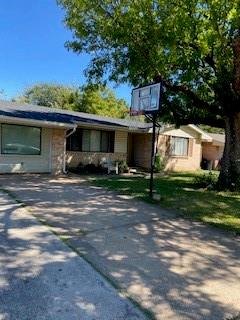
(39,139)
(212,151)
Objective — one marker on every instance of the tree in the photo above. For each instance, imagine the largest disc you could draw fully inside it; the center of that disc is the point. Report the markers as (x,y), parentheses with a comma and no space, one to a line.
(102,101)
(210,129)
(193,47)
(91,99)
(50,95)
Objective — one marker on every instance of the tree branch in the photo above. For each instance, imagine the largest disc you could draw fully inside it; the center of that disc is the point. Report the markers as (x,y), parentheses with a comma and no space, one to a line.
(210,121)
(209,59)
(198,103)
(174,115)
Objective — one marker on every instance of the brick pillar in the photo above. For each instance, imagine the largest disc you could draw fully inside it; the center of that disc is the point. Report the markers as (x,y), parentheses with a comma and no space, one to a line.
(58,137)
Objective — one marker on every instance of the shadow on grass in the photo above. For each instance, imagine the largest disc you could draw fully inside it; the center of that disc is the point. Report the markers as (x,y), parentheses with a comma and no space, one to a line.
(178,192)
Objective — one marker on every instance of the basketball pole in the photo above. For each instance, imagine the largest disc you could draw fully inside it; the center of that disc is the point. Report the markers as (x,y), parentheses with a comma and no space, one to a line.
(154,119)
(151,109)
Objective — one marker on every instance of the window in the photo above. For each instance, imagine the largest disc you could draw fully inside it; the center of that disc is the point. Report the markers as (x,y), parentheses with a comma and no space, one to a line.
(91,141)
(95,141)
(179,146)
(74,142)
(20,140)
(86,139)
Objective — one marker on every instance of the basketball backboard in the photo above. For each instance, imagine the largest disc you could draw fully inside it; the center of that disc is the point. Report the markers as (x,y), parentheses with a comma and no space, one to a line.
(146,100)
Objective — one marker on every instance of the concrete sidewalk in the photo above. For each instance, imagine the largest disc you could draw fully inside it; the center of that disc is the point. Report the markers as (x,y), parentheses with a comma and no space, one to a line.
(42,279)
(178,269)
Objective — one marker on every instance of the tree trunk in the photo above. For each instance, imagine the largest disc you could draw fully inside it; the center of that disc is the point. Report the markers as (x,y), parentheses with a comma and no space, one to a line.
(229,177)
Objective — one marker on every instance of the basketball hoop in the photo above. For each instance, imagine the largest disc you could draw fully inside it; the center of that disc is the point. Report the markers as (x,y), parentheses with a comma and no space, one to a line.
(146,99)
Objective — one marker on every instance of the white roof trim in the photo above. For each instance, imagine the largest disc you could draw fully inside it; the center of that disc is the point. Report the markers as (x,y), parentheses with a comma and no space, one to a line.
(40,123)
(204,135)
(109,127)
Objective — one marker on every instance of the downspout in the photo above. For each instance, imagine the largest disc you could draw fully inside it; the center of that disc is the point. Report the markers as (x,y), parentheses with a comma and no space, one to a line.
(64,151)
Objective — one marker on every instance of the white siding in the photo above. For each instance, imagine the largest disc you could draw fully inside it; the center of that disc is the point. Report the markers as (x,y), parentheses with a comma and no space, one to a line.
(121,140)
(28,163)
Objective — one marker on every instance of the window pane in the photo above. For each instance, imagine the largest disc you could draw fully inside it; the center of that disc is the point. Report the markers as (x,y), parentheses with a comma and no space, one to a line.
(95,141)
(105,141)
(179,146)
(21,140)
(112,142)
(154,97)
(74,141)
(86,140)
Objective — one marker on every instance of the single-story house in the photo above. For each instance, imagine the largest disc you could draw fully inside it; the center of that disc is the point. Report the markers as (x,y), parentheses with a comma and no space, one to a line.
(37,139)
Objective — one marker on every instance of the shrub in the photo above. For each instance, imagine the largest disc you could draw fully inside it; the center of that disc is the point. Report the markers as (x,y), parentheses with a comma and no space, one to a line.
(122,166)
(159,164)
(92,168)
(206,180)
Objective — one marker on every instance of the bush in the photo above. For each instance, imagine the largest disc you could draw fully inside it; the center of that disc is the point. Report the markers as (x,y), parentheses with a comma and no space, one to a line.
(92,168)
(206,180)
(159,164)
(79,169)
(86,169)
(122,166)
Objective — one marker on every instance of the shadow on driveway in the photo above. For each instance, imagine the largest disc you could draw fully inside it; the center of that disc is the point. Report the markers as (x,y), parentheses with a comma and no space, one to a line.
(42,279)
(176,268)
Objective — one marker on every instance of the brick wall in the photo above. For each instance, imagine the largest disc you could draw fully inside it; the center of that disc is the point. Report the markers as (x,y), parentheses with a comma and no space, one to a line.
(74,158)
(142,153)
(187,163)
(141,146)
(212,153)
(57,156)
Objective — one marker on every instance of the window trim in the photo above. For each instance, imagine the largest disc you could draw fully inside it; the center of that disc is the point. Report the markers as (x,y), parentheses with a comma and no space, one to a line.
(110,132)
(179,155)
(21,154)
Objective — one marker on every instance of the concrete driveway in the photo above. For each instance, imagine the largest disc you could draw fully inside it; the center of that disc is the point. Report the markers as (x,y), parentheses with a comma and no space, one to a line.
(42,279)
(175,268)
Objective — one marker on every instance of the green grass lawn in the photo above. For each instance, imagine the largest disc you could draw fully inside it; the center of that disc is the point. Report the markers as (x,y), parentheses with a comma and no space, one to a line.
(178,191)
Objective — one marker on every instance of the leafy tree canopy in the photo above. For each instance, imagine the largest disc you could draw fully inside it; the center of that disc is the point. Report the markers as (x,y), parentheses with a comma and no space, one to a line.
(50,95)
(101,100)
(91,99)
(211,129)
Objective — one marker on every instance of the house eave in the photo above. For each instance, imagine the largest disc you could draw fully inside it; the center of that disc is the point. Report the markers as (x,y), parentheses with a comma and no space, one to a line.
(110,127)
(40,123)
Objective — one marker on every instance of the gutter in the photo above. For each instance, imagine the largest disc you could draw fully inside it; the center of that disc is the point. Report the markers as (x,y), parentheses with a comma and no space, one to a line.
(101,126)
(64,148)
(47,124)
(110,127)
